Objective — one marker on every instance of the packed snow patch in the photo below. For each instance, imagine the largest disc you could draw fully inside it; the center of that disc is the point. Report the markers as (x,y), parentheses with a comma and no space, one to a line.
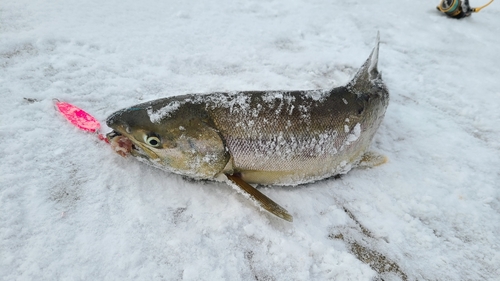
(70,208)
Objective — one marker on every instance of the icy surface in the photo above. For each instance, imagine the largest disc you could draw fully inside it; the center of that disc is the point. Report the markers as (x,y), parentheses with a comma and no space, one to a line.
(72,209)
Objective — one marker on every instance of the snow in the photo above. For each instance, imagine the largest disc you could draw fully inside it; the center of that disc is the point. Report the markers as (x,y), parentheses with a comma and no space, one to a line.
(156,116)
(72,209)
(354,135)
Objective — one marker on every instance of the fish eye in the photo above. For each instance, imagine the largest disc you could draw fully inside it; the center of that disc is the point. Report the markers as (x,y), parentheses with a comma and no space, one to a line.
(152,140)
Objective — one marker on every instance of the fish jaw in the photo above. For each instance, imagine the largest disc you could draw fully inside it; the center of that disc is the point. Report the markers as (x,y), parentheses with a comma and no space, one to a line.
(124,144)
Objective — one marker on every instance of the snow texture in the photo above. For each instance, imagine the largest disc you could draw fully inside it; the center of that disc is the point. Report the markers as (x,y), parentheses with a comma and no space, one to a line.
(166,111)
(72,209)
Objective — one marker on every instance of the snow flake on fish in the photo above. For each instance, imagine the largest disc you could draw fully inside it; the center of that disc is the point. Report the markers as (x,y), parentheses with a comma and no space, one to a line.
(255,111)
(166,111)
(235,101)
(271,97)
(344,167)
(285,101)
(317,95)
(305,113)
(240,103)
(354,135)
(250,123)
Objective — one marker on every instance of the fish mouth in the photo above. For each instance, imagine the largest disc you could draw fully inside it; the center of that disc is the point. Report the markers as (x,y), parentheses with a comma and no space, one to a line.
(124,144)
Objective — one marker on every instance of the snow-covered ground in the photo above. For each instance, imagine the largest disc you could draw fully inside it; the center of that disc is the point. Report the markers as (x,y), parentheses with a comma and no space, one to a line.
(72,209)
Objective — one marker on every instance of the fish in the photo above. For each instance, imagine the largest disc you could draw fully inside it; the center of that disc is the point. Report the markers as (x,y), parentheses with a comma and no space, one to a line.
(258,137)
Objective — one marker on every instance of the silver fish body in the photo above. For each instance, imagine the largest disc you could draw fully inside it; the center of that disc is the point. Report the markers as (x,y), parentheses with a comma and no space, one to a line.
(265,137)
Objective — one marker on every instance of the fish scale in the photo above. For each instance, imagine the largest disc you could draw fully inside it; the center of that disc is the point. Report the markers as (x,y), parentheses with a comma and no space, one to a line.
(282,139)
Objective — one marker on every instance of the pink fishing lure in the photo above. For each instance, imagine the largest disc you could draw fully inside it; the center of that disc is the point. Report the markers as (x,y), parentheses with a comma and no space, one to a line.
(79,118)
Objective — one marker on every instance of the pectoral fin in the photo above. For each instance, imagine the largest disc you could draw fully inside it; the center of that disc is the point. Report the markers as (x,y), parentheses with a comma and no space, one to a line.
(259,198)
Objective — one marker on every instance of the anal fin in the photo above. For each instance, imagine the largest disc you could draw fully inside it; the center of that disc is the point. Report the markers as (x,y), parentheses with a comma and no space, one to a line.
(371,159)
(259,198)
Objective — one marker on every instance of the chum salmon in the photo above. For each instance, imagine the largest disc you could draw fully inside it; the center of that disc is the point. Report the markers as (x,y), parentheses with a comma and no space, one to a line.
(262,137)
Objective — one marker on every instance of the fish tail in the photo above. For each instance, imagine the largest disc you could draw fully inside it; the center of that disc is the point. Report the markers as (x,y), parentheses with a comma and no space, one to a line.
(367,74)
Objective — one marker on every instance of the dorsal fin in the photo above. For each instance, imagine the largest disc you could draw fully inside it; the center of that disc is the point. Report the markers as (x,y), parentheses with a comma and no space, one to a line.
(367,73)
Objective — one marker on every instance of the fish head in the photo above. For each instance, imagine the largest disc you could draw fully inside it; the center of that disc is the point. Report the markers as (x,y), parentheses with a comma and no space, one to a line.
(173,134)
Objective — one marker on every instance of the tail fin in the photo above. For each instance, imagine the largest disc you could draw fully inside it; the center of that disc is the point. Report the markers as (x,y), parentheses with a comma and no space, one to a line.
(368,74)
